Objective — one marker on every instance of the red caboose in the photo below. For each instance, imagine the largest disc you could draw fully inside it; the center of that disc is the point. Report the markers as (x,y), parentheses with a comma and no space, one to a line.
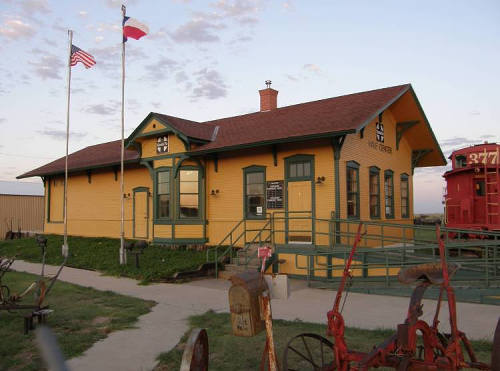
(472,200)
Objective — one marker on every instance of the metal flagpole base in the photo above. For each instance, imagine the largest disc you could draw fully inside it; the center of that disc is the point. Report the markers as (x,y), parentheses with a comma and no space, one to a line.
(64,250)
(123,253)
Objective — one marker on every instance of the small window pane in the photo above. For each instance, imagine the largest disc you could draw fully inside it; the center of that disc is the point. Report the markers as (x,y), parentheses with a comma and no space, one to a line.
(163,206)
(188,205)
(163,194)
(189,175)
(374,195)
(255,189)
(163,188)
(255,178)
(300,169)
(307,169)
(293,170)
(389,196)
(189,187)
(254,194)
(163,176)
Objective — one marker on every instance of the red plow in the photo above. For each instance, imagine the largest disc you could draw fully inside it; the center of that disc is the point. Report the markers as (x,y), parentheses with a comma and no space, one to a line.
(416,345)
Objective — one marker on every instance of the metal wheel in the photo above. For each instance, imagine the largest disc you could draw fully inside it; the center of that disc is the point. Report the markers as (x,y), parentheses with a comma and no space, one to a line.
(195,356)
(309,352)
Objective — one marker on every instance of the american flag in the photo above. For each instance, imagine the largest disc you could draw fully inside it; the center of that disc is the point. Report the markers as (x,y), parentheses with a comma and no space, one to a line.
(78,55)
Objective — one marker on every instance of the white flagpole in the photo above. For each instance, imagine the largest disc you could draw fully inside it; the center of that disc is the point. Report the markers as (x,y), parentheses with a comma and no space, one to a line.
(64,250)
(123,256)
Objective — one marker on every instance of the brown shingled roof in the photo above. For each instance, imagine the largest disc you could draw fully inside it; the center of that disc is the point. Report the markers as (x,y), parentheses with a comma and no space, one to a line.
(344,114)
(333,115)
(190,128)
(99,155)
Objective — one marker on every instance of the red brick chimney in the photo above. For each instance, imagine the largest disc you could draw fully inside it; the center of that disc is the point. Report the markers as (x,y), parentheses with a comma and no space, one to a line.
(268,98)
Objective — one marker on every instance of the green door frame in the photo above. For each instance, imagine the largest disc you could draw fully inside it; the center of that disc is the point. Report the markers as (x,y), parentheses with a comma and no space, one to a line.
(137,190)
(288,161)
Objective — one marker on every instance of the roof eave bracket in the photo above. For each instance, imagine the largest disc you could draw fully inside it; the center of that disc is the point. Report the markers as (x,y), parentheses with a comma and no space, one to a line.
(416,156)
(401,128)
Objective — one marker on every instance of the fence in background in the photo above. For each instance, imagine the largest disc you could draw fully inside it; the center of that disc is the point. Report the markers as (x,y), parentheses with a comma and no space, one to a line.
(21,212)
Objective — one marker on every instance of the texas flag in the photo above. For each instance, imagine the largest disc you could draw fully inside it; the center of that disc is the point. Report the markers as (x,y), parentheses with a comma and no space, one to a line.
(133,28)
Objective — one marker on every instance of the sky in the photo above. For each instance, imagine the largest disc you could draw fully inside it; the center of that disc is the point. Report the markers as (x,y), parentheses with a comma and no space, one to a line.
(207,59)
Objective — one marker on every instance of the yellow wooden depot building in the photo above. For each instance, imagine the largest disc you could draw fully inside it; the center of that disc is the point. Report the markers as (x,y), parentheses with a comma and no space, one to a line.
(187,182)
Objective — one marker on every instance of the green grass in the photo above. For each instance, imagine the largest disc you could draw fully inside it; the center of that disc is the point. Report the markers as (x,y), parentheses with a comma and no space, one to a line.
(81,317)
(101,254)
(228,352)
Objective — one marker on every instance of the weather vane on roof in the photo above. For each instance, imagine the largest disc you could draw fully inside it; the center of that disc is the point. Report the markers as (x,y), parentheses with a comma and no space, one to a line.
(268,83)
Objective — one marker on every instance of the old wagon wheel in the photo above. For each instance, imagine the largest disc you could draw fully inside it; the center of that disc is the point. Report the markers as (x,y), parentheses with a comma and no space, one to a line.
(309,352)
(195,356)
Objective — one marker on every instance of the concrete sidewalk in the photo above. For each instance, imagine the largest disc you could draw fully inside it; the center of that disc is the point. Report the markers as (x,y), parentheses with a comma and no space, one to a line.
(161,329)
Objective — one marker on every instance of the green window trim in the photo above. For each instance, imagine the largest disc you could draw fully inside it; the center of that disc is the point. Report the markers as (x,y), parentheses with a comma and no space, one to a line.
(156,206)
(374,192)
(405,196)
(254,169)
(352,190)
(299,167)
(389,194)
(198,218)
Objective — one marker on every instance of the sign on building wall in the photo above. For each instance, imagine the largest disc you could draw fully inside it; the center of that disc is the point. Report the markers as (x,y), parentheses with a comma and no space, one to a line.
(274,194)
(379,131)
(162,144)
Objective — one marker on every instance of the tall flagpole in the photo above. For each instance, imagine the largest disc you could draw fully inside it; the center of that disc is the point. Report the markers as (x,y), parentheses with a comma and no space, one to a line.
(64,250)
(123,256)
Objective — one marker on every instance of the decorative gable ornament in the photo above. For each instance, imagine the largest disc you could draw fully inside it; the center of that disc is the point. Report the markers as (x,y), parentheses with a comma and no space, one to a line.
(379,132)
(162,144)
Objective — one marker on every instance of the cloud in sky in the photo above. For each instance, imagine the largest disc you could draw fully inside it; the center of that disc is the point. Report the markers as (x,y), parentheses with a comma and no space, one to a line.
(61,134)
(209,84)
(83,13)
(103,109)
(203,27)
(161,69)
(32,7)
(310,67)
(2,120)
(16,29)
(197,30)
(243,10)
(46,65)
(458,142)
(288,5)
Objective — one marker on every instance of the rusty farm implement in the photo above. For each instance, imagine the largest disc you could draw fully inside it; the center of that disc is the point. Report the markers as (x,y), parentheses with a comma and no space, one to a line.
(416,345)
(40,289)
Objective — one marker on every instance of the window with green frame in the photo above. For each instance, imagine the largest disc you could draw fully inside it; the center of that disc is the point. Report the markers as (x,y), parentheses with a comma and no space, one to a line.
(163,199)
(374,192)
(300,169)
(405,196)
(189,193)
(389,193)
(352,177)
(255,188)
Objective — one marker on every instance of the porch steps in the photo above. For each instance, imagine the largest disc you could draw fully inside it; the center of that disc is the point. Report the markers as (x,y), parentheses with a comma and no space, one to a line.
(231,269)
(245,259)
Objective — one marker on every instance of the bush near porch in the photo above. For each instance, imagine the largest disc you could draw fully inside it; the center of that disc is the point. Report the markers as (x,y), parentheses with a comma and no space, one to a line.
(102,254)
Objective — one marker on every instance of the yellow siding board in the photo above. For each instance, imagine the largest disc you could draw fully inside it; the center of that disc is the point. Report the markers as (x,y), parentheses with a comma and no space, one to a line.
(94,208)
(163,231)
(188,231)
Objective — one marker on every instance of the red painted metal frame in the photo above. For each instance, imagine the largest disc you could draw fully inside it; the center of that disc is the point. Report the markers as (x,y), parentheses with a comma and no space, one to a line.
(400,350)
(472,199)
